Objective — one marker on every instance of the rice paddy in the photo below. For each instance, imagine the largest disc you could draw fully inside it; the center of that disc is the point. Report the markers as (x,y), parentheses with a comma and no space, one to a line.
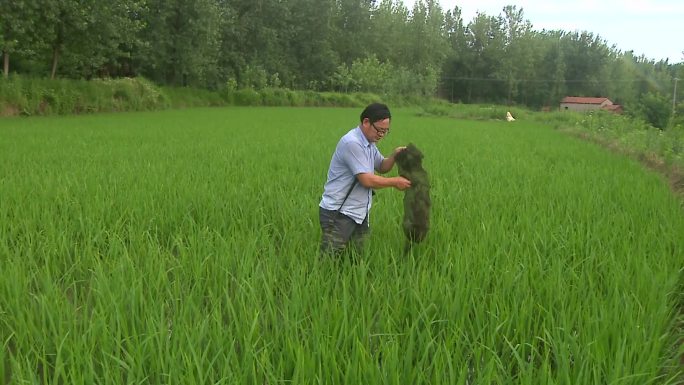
(181,247)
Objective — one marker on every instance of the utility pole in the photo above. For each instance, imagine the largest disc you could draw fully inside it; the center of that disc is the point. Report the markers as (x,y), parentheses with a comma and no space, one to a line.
(674,98)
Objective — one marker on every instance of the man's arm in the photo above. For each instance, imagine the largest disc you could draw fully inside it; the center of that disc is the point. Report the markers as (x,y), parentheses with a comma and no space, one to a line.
(370,180)
(386,165)
(388,162)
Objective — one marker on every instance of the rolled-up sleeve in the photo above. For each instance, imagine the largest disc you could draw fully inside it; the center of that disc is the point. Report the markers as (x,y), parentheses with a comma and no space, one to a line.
(356,158)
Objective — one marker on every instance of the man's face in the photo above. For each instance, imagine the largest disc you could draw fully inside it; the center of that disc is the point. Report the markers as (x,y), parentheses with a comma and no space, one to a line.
(377,130)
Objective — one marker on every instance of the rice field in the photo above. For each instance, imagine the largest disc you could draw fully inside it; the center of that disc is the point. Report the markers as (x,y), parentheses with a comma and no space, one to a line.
(181,247)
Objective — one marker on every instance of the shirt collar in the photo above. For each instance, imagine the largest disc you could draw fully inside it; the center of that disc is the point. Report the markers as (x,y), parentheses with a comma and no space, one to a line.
(364,140)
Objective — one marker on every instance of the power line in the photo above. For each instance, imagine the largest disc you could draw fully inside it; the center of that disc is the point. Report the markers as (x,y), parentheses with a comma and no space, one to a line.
(546,80)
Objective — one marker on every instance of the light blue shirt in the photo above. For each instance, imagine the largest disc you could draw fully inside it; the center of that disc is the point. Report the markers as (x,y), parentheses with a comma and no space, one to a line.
(353,155)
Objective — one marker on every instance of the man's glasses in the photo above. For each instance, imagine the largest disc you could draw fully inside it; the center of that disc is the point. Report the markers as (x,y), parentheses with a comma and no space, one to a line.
(381,132)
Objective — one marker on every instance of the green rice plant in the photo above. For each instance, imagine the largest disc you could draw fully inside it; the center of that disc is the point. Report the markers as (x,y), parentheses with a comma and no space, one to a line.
(181,247)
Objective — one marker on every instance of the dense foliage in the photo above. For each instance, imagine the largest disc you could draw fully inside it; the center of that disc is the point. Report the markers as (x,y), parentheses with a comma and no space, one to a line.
(377,46)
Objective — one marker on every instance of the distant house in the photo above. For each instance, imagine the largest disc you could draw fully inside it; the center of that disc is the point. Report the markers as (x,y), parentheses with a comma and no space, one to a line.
(616,108)
(580,103)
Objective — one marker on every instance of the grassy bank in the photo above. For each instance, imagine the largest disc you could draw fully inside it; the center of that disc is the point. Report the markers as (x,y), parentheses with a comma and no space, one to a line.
(23,96)
(34,96)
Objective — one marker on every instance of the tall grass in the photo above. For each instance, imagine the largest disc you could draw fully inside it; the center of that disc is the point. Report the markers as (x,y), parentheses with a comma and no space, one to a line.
(630,135)
(180,247)
(26,96)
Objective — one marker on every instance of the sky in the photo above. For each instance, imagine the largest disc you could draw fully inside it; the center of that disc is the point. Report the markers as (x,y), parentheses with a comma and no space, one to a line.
(653,28)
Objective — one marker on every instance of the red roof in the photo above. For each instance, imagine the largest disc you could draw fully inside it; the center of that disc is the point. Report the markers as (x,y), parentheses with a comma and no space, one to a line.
(583,100)
(614,108)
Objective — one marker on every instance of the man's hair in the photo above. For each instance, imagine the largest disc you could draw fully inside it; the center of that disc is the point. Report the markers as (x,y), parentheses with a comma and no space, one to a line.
(376,112)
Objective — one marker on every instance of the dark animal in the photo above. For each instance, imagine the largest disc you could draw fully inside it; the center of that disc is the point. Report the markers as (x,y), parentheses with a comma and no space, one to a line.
(417,198)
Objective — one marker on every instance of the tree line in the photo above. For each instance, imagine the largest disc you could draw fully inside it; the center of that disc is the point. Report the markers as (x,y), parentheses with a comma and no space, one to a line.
(377,46)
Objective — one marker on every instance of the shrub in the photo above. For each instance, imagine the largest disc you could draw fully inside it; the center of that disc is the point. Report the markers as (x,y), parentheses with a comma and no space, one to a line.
(275,97)
(655,109)
(246,97)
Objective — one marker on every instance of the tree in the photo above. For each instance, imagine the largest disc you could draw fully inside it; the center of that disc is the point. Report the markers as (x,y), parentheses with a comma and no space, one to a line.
(353,29)
(257,33)
(114,36)
(588,59)
(63,27)
(310,43)
(88,37)
(559,87)
(427,42)
(389,36)
(16,21)
(517,61)
(486,40)
(181,42)
(459,55)
(655,109)
(322,45)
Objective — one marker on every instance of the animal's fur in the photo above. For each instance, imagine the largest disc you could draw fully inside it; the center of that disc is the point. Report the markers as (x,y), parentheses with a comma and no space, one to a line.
(417,198)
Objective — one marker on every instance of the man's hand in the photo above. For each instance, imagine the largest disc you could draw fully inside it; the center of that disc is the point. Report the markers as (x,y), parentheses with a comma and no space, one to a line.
(401,183)
(388,163)
(398,150)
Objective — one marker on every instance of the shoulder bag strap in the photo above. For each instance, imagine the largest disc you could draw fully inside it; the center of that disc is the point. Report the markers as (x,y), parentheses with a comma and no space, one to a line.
(348,192)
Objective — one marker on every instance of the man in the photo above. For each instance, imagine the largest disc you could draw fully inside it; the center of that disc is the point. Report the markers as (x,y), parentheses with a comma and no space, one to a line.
(348,191)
